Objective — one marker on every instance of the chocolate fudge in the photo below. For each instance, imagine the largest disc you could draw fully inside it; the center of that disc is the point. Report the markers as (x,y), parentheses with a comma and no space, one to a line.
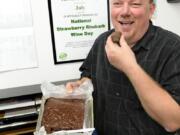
(116,37)
(63,114)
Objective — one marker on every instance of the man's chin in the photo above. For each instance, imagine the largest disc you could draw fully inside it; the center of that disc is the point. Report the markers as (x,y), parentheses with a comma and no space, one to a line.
(128,40)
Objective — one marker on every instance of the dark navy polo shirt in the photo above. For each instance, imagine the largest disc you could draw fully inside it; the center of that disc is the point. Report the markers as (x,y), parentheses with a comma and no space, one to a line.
(117,109)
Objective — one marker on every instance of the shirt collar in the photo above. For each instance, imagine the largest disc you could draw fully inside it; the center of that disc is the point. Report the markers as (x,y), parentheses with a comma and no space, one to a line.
(144,41)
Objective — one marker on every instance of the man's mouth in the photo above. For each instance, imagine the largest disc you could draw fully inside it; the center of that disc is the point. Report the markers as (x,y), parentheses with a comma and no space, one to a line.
(126,23)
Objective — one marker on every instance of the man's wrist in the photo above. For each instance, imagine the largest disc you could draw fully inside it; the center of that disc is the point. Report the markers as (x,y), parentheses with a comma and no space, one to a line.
(83,79)
(133,70)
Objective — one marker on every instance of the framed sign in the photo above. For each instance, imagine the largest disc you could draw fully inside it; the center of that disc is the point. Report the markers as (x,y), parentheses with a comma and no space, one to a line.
(75,24)
(173,1)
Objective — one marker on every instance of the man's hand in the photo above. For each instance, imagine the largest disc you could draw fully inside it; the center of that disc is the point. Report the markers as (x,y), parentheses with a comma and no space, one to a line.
(122,57)
(70,86)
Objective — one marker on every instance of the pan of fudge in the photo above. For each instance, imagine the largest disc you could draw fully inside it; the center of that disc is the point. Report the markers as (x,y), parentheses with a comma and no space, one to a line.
(64,113)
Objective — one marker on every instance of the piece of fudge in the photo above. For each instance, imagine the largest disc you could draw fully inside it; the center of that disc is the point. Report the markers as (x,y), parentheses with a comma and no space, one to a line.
(116,37)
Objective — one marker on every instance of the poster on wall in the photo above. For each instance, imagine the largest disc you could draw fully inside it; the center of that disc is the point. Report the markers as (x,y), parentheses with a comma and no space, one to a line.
(17,41)
(75,24)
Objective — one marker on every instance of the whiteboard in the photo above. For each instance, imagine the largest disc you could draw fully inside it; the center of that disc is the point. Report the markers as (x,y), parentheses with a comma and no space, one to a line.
(46,70)
(17,46)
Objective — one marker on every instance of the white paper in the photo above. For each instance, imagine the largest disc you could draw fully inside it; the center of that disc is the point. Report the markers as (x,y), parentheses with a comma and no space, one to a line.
(76,29)
(17,43)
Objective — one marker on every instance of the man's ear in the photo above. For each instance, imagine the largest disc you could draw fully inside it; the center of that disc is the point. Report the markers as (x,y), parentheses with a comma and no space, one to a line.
(152,9)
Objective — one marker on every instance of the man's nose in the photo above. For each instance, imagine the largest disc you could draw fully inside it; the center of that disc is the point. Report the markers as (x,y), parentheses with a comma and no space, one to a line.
(125,10)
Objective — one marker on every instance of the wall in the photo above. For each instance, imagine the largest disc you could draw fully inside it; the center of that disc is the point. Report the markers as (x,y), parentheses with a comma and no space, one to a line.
(168,15)
(28,80)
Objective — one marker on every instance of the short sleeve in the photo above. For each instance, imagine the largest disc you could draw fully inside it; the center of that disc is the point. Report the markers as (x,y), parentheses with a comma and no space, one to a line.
(171,75)
(86,67)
